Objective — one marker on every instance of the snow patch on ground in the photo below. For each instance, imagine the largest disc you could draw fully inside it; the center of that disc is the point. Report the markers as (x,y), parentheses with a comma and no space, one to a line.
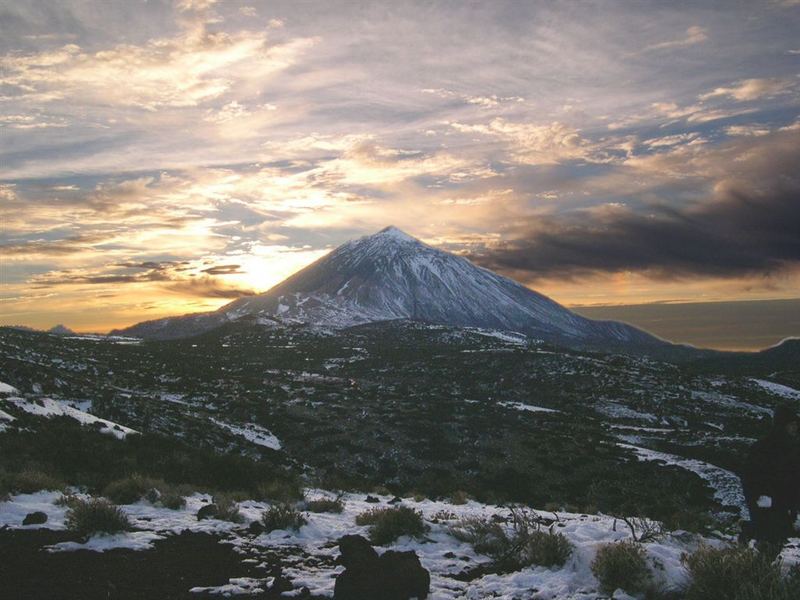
(7,390)
(620,411)
(511,337)
(237,586)
(45,407)
(14,511)
(726,485)
(730,401)
(252,433)
(132,540)
(527,407)
(784,391)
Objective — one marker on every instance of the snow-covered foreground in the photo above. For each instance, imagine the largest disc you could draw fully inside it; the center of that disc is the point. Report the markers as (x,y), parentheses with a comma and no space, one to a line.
(308,554)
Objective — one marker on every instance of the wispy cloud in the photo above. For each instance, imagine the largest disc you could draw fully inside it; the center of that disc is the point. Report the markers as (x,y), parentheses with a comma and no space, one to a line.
(694,35)
(751,89)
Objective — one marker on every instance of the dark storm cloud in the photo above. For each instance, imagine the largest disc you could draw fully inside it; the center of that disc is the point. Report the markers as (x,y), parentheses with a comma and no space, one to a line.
(748,224)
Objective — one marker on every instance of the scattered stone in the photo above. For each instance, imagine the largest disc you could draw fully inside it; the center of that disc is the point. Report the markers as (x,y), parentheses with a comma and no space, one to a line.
(209,511)
(395,500)
(367,576)
(372,500)
(35,518)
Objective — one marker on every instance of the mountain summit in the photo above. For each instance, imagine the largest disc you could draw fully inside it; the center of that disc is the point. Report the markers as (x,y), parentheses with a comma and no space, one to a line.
(391,275)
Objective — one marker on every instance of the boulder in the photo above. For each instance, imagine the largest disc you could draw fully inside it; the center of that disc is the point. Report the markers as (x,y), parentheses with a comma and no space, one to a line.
(404,575)
(372,499)
(35,518)
(396,500)
(209,511)
(256,528)
(367,576)
(357,553)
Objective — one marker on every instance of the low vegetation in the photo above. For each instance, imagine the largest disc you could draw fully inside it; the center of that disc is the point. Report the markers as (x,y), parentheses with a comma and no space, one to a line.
(325,505)
(95,515)
(131,489)
(518,545)
(280,490)
(156,491)
(738,573)
(227,508)
(28,481)
(57,452)
(622,565)
(282,516)
(388,524)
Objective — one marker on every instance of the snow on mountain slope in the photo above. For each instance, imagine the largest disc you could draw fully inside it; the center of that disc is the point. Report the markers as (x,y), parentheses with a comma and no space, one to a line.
(391,275)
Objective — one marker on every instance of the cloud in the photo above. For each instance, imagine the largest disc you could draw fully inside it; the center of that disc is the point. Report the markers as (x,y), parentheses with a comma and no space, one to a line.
(533,143)
(224,270)
(182,277)
(189,69)
(42,248)
(698,113)
(30,121)
(207,287)
(750,89)
(694,35)
(194,5)
(483,101)
(749,225)
(752,129)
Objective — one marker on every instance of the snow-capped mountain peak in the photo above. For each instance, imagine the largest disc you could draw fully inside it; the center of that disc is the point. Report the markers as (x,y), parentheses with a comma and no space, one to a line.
(391,275)
(392,232)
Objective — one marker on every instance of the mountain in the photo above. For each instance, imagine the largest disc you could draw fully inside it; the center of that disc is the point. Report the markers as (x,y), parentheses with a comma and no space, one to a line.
(391,275)
(61,330)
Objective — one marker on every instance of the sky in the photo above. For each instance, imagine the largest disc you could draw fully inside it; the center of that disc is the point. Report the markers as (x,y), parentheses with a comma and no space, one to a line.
(160,157)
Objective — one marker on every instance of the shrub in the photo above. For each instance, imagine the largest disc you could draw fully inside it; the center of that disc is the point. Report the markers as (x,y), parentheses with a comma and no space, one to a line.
(96,515)
(524,545)
(643,529)
(227,509)
(131,489)
(737,573)
(443,515)
(621,565)
(388,524)
(459,497)
(546,549)
(172,500)
(30,481)
(282,516)
(325,505)
(67,499)
(279,491)
(485,536)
